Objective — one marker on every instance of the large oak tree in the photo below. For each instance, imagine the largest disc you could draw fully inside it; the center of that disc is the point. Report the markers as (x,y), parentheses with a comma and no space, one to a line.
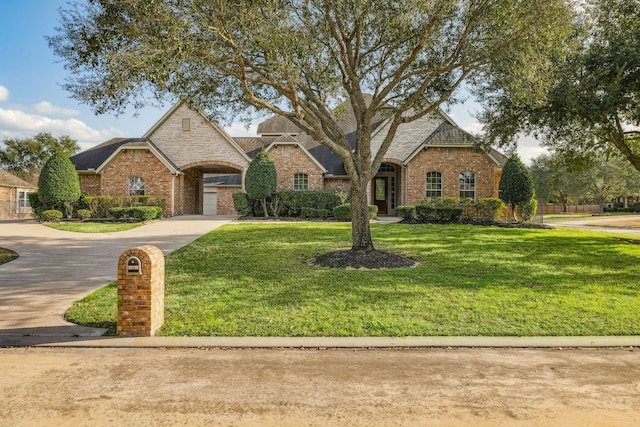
(301,58)
(594,105)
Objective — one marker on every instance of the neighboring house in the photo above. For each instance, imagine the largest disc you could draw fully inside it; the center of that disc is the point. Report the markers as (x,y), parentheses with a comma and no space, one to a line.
(196,166)
(14,200)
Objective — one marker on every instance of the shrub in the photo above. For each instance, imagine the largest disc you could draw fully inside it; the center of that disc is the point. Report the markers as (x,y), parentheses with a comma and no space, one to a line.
(100,205)
(138,213)
(308,212)
(489,209)
(37,207)
(118,213)
(53,215)
(343,212)
(528,210)
(58,184)
(516,184)
(261,179)
(634,208)
(83,214)
(241,203)
(407,212)
(292,202)
(145,213)
(438,214)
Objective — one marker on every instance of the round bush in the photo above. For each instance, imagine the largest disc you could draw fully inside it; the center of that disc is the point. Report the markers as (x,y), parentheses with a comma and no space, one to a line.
(83,214)
(52,215)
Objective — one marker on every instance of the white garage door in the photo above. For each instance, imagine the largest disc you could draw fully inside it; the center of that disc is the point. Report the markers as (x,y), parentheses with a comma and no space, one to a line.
(210,205)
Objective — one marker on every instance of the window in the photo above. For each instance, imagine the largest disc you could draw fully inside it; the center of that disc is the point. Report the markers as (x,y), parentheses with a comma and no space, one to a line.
(23,199)
(301,181)
(385,167)
(136,186)
(186,125)
(467,185)
(434,184)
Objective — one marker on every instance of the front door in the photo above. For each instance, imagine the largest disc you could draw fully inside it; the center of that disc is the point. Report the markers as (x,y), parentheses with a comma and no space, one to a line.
(380,194)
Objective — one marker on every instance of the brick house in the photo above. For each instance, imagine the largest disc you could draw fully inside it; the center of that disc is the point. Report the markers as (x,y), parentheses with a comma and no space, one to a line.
(196,166)
(14,200)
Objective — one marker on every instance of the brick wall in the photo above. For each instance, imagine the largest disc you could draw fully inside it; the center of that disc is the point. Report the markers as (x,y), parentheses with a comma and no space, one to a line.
(225,200)
(203,140)
(450,162)
(90,184)
(296,161)
(141,296)
(158,180)
(337,184)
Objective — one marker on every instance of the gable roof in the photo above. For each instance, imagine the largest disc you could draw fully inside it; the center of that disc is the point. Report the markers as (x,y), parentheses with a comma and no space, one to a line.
(96,158)
(215,126)
(9,180)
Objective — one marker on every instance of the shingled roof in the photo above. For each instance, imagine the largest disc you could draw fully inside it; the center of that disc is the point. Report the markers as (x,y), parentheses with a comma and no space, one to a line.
(93,158)
(9,180)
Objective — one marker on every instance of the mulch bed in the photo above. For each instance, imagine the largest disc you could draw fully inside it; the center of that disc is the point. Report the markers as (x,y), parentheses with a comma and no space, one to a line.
(363,260)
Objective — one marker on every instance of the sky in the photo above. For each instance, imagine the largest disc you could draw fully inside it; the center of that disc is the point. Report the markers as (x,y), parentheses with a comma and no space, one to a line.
(32,99)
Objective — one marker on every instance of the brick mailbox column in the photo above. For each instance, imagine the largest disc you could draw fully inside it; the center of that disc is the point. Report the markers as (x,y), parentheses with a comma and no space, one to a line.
(140,291)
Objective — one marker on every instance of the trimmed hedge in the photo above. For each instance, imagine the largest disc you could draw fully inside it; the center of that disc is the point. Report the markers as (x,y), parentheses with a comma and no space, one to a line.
(312,213)
(440,214)
(138,213)
(52,215)
(83,214)
(291,202)
(406,212)
(343,212)
(100,205)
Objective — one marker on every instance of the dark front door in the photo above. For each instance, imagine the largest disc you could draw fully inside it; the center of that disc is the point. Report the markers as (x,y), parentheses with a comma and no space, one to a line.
(380,194)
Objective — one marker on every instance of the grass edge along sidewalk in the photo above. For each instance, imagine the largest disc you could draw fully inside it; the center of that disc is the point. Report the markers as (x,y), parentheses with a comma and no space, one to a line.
(257,280)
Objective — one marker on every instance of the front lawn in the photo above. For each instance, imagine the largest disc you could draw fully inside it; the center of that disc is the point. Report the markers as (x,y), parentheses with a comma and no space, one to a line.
(93,227)
(7,255)
(256,280)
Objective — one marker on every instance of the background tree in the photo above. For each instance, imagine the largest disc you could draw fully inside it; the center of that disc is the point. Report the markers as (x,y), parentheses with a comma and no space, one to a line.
(301,58)
(58,185)
(516,184)
(261,179)
(594,104)
(554,182)
(24,157)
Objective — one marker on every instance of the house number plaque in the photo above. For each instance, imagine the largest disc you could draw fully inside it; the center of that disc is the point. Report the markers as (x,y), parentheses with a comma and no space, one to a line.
(134,266)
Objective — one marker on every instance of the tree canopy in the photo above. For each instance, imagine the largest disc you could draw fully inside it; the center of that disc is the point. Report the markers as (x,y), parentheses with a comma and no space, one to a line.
(595,103)
(301,58)
(24,157)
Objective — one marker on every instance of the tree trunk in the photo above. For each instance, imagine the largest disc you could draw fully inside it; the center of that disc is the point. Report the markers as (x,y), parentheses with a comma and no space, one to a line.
(360,229)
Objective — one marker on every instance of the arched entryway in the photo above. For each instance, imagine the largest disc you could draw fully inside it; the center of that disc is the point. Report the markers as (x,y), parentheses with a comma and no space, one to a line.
(208,186)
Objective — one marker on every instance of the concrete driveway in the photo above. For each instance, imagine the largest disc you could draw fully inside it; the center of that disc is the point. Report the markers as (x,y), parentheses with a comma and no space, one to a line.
(57,267)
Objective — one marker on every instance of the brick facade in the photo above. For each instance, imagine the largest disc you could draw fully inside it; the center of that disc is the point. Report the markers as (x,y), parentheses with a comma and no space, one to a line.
(140,292)
(225,200)
(290,160)
(450,162)
(90,184)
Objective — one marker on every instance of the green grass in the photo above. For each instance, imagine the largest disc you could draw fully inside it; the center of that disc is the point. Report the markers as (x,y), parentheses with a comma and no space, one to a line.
(583,216)
(94,227)
(7,255)
(254,280)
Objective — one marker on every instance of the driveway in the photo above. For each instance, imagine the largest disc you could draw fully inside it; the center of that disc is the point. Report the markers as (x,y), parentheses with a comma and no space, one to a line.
(596,224)
(57,267)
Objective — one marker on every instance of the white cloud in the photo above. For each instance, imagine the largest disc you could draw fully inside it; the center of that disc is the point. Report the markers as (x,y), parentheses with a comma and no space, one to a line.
(4,93)
(46,107)
(240,129)
(20,124)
